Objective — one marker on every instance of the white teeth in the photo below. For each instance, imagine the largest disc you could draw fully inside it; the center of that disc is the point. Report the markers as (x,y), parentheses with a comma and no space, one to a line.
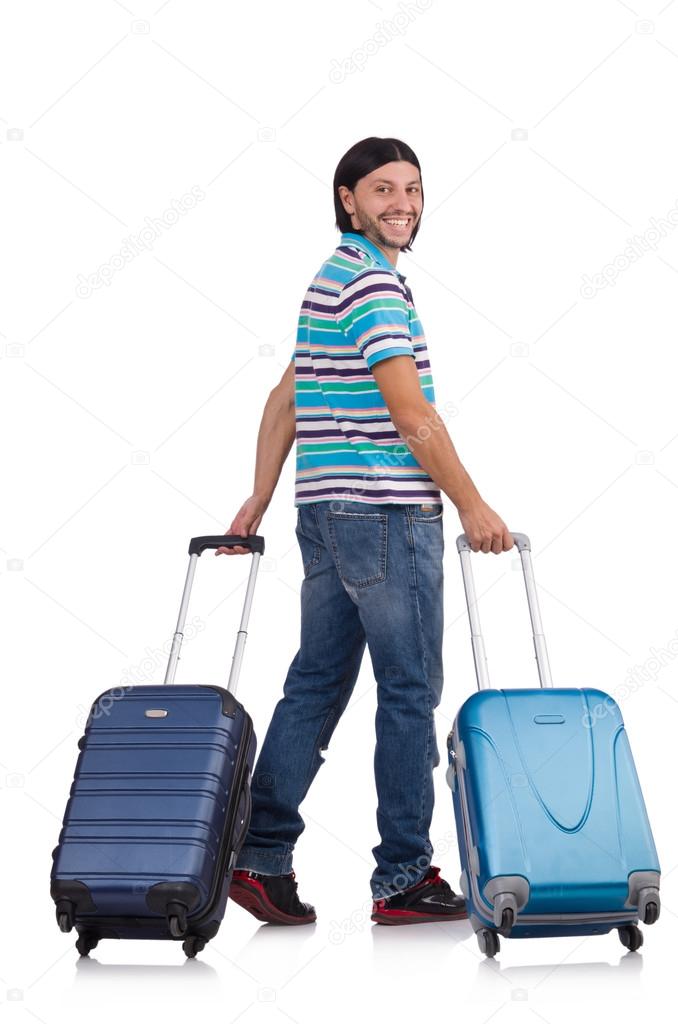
(397,223)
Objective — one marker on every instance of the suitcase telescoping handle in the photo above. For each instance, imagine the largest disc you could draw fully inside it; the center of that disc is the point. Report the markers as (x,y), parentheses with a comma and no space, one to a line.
(522,542)
(199,544)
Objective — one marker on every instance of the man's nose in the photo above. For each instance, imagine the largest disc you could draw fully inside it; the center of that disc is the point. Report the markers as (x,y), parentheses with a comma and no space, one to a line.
(404,203)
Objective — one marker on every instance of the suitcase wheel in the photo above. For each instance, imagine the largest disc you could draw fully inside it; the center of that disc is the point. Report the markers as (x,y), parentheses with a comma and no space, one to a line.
(631,936)
(193,945)
(488,941)
(65,915)
(651,913)
(176,919)
(507,921)
(86,943)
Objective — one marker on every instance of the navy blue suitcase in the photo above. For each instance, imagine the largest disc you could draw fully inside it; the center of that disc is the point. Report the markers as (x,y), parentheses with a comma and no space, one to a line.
(553,832)
(160,802)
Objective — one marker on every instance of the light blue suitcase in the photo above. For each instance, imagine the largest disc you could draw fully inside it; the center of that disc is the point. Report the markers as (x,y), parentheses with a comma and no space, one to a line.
(553,833)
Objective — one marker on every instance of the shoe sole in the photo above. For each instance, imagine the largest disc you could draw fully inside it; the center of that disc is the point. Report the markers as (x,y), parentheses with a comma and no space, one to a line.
(398,917)
(252,897)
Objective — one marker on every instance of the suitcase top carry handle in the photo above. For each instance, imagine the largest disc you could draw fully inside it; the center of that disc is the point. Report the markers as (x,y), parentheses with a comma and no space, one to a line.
(200,544)
(195,549)
(522,542)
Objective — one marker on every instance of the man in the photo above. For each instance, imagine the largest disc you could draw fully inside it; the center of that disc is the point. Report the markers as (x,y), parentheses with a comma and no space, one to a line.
(372,458)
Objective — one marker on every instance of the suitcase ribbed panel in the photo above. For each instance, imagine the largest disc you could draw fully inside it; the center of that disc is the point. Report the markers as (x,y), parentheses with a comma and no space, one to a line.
(552,795)
(150,798)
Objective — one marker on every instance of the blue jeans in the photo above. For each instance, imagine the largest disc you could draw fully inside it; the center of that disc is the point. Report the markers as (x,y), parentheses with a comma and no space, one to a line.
(373,574)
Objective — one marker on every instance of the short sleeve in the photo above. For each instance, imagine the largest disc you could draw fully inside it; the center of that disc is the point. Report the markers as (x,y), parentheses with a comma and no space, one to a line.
(372,312)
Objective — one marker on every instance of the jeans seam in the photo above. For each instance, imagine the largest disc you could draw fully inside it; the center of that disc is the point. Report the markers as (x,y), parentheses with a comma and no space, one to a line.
(427,762)
(332,712)
(316,556)
(420,629)
(328,716)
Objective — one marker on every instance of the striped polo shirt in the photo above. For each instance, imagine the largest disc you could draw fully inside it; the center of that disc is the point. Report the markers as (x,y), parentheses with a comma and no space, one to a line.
(357,311)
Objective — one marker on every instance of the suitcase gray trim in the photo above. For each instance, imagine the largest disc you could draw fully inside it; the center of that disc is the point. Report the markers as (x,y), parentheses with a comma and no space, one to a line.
(643,889)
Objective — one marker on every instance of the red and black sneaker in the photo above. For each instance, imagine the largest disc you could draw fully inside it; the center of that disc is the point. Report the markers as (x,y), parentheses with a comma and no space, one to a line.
(271,898)
(431,899)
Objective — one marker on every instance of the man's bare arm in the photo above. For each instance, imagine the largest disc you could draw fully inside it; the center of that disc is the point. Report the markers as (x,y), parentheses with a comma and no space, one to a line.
(275,438)
(425,434)
(276,434)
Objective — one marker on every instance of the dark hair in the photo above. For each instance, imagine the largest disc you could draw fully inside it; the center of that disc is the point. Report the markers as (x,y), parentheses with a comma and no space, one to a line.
(361,159)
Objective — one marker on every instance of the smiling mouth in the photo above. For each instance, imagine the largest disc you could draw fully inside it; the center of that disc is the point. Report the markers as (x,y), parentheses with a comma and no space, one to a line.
(398,223)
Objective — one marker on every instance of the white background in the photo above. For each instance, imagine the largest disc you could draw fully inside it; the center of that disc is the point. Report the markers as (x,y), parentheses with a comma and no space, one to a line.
(546,133)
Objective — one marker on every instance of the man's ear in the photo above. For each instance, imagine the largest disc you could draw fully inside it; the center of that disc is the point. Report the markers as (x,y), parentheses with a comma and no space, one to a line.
(344,195)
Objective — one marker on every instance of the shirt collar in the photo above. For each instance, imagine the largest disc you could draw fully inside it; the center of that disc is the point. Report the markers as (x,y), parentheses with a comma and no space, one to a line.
(361,242)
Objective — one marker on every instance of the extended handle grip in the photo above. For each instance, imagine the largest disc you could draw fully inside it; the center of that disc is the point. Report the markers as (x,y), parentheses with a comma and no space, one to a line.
(521,541)
(195,549)
(199,544)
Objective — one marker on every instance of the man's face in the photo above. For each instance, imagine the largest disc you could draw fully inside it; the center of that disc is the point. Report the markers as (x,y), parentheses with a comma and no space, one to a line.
(386,204)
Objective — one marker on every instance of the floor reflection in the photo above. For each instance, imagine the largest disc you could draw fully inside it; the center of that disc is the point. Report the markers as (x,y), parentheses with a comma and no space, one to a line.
(89,969)
(626,971)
